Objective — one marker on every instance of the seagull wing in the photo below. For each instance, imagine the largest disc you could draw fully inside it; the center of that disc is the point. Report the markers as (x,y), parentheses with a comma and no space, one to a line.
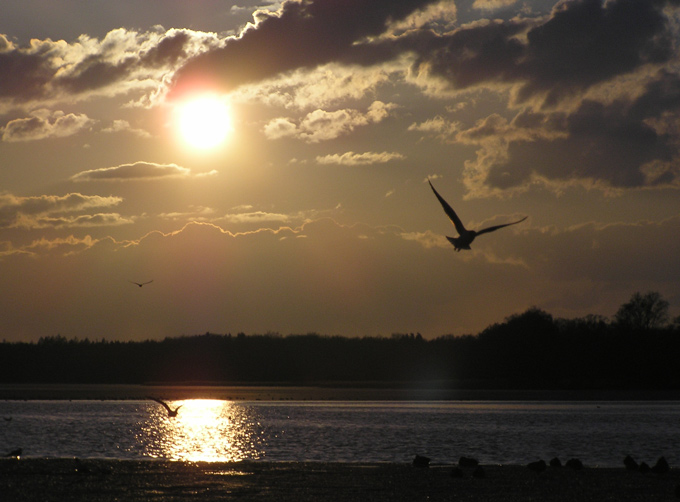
(147,282)
(165,405)
(133,282)
(496,227)
(449,212)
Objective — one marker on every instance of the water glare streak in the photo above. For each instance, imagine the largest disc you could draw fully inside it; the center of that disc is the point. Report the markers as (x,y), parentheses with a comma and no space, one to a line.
(205,430)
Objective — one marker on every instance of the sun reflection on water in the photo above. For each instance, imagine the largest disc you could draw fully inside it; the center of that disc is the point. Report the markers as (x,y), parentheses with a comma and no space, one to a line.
(206,430)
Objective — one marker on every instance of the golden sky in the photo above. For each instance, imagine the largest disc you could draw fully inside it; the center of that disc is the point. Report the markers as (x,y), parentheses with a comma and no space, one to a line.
(266,164)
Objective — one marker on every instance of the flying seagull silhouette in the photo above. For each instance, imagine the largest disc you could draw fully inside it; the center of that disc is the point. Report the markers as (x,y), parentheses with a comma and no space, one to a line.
(140,284)
(465,236)
(171,412)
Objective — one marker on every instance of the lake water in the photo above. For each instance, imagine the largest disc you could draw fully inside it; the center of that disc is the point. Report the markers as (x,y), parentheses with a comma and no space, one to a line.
(599,433)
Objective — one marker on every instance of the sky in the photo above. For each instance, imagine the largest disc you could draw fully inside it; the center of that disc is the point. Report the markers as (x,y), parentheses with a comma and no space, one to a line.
(265,164)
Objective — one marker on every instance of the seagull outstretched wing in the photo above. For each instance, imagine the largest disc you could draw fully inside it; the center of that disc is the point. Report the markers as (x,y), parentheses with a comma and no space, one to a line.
(171,412)
(460,228)
(496,227)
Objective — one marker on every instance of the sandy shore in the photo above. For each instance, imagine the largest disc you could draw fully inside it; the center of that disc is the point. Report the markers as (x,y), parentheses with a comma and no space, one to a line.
(109,480)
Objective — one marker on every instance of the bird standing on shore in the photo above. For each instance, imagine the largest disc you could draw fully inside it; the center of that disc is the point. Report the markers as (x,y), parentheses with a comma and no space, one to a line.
(171,413)
(465,236)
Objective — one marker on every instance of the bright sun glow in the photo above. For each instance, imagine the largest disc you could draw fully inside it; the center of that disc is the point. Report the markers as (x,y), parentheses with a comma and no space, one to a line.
(204,122)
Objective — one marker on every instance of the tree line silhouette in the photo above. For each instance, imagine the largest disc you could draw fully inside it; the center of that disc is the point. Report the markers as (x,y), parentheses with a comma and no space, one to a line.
(638,349)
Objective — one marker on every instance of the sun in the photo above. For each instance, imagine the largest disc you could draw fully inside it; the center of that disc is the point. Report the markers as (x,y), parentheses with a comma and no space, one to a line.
(204,122)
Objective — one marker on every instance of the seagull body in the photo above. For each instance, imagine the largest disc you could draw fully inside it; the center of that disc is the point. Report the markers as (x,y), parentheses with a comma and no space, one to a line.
(140,284)
(171,412)
(465,236)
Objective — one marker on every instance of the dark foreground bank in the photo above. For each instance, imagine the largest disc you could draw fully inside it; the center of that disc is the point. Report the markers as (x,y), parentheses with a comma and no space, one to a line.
(107,480)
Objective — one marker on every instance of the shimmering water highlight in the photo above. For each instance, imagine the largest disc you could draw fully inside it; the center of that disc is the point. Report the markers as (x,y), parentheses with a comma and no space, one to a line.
(599,433)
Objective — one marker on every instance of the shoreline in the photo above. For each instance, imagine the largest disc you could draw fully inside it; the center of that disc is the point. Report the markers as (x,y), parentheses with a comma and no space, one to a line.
(321,392)
(155,480)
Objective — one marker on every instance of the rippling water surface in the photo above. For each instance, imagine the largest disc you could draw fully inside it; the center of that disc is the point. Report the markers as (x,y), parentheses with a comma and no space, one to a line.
(599,433)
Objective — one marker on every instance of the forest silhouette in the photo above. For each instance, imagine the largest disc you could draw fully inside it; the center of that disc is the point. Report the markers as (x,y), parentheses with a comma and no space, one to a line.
(637,349)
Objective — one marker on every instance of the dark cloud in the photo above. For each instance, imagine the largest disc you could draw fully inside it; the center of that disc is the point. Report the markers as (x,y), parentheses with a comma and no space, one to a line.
(170,50)
(602,142)
(100,70)
(590,41)
(582,43)
(46,69)
(302,34)
(24,73)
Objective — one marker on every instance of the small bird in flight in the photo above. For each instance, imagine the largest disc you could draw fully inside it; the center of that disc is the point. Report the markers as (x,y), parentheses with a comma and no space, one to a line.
(171,412)
(465,236)
(140,284)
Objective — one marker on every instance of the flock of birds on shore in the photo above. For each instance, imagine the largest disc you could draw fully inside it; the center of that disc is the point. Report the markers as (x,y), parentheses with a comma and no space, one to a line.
(467,463)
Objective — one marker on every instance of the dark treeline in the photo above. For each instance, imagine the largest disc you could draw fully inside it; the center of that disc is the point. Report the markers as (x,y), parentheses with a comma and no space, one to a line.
(528,350)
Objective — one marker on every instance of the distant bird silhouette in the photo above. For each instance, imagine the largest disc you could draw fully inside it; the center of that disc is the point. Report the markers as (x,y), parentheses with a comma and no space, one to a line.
(140,284)
(661,466)
(465,236)
(555,462)
(468,462)
(574,463)
(420,461)
(171,413)
(537,466)
(630,463)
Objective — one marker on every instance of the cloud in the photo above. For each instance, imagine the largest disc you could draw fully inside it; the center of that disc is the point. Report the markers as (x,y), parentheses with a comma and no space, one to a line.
(195,213)
(321,125)
(139,171)
(46,71)
(49,210)
(322,87)
(627,143)
(355,159)
(124,126)
(280,127)
(45,124)
(582,43)
(438,126)
(302,34)
(603,52)
(84,220)
(492,4)
(44,248)
(256,217)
